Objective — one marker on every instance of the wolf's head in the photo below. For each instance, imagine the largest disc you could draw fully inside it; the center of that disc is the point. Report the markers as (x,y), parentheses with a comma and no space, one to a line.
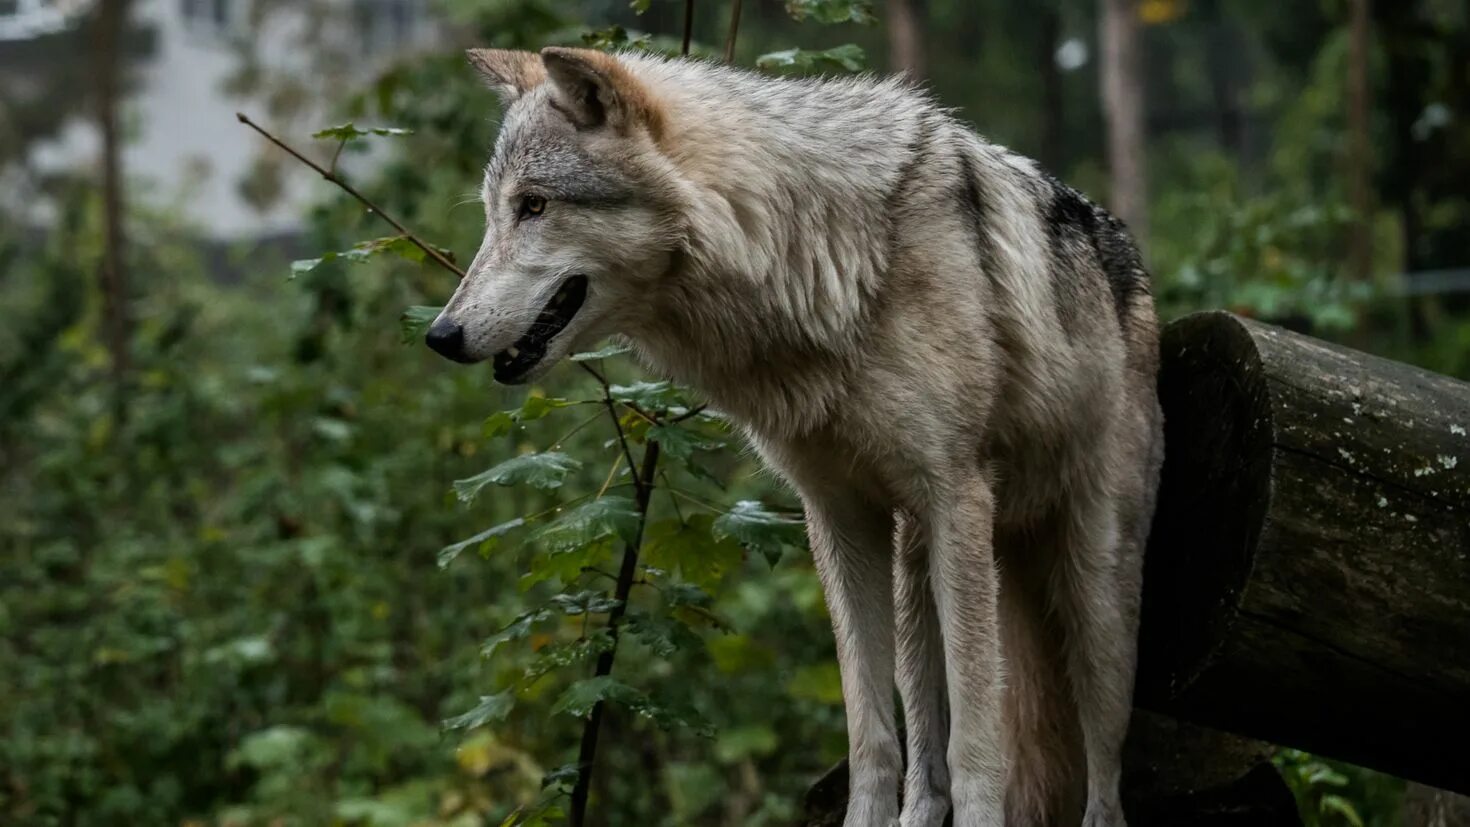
(578,214)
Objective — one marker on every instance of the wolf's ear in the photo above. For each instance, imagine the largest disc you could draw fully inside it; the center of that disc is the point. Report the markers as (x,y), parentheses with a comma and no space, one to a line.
(510,73)
(594,88)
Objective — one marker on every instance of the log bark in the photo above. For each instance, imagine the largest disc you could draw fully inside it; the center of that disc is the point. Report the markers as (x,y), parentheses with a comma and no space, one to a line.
(1175,775)
(1308,575)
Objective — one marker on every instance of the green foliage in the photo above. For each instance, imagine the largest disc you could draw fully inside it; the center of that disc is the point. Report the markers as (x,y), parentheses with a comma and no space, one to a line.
(365,251)
(847,58)
(1330,794)
(351,132)
(832,11)
(545,470)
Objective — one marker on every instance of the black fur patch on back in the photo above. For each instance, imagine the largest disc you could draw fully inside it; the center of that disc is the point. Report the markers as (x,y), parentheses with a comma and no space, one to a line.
(1070,217)
(977,210)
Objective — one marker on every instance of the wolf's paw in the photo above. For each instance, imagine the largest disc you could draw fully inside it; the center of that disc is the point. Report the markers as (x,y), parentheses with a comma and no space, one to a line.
(867,812)
(924,811)
(1104,815)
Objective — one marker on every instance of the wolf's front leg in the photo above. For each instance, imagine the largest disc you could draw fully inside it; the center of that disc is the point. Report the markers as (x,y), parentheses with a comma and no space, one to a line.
(960,526)
(852,547)
(921,681)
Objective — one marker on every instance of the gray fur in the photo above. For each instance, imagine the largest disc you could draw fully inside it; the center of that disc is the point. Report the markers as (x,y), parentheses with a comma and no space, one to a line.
(948,355)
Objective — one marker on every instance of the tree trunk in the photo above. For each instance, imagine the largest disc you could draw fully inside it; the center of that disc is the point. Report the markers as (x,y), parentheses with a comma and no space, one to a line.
(111,22)
(1121,71)
(1049,37)
(1308,575)
(1360,161)
(906,37)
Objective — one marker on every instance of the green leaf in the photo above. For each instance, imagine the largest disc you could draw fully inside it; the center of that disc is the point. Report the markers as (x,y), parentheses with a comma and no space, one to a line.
(691,547)
(686,594)
(601,353)
(590,522)
(662,636)
(614,37)
(590,602)
(639,6)
(555,656)
(545,470)
(760,530)
(1341,806)
(564,776)
(484,539)
(848,57)
(517,629)
(492,710)
(415,322)
(365,251)
(679,442)
(647,395)
(579,699)
(566,564)
(350,131)
(535,407)
(832,11)
(499,424)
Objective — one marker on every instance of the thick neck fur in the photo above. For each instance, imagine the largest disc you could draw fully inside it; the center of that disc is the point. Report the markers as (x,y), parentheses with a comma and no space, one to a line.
(781,187)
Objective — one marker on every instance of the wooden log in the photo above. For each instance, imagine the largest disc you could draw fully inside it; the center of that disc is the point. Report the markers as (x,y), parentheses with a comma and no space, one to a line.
(1308,577)
(1175,775)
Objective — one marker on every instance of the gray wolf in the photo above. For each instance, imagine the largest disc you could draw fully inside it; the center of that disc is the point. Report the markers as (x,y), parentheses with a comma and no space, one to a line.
(949,355)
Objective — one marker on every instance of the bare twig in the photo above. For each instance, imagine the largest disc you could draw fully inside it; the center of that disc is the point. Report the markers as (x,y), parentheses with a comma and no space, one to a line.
(336,154)
(688,26)
(429,250)
(734,31)
(689,414)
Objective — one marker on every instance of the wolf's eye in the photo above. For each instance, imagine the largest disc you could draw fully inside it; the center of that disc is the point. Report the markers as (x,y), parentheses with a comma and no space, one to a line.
(531,206)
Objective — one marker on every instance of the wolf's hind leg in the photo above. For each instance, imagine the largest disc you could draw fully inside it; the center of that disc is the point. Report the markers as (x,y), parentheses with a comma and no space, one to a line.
(921,681)
(960,525)
(852,546)
(1096,596)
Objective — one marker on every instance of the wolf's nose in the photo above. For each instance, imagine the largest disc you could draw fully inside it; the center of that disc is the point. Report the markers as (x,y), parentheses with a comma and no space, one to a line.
(446,338)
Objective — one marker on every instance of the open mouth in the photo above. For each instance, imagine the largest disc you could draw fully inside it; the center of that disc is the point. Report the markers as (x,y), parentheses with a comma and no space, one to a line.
(517,360)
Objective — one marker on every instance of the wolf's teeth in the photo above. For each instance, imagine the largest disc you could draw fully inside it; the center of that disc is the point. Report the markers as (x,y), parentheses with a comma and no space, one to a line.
(512,352)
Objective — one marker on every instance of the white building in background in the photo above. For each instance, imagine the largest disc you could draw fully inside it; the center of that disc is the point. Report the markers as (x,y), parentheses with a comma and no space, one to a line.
(184,144)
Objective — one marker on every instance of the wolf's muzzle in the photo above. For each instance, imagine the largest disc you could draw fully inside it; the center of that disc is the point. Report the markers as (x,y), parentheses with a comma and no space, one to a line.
(446,338)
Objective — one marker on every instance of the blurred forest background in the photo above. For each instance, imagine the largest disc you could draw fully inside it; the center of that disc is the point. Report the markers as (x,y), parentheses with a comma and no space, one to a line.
(239,583)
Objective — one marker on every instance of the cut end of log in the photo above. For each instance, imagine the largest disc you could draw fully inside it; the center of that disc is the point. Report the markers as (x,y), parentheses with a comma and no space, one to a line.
(1216,484)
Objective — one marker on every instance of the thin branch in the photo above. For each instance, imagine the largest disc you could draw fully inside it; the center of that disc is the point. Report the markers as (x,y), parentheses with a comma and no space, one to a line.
(584,423)
(587,755)
(689,414)
(734,31)
(612,411)
(611,472)
(639,412)
(688,26)
(674,501)
(333,177)
(699,501)
(341,145)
